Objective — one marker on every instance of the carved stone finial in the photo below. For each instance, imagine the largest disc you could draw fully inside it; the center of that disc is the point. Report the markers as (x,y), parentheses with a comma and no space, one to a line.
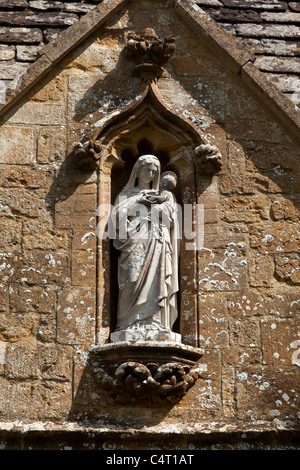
(87,156)
(210,158)
(150,52)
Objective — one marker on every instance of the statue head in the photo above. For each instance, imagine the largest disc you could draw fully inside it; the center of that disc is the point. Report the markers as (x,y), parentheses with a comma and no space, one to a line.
(148,167)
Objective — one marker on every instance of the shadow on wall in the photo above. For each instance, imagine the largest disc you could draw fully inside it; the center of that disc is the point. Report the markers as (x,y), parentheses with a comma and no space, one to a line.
(92,404)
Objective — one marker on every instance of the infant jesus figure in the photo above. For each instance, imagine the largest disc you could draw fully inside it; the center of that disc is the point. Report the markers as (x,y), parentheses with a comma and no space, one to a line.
(168,183)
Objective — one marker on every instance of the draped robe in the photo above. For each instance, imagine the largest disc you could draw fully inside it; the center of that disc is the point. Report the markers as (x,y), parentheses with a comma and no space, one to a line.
(148,257)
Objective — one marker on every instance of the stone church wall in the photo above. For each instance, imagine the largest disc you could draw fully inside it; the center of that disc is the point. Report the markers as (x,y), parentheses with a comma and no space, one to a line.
(247,280)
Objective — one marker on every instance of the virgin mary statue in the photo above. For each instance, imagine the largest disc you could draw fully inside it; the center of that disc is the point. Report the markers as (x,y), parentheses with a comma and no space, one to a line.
(147,238)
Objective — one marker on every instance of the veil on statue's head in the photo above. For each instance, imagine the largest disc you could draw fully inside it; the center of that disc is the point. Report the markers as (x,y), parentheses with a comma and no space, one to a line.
(139,164)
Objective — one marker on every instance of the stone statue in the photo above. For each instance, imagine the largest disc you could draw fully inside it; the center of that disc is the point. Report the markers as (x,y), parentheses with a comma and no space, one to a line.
(147,238)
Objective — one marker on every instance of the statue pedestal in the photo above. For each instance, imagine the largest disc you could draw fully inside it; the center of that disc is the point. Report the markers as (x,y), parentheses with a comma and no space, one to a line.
(156,373)
(144,334)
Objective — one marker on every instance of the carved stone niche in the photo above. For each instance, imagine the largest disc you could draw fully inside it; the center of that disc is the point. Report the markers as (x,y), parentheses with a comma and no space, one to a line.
(152,373)
(147,371)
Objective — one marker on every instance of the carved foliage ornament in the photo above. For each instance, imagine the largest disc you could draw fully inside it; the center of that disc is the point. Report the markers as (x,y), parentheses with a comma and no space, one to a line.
(149,52)
(152,384)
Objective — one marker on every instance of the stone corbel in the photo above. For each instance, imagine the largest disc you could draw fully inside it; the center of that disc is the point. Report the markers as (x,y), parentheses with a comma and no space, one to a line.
(154,374)
(209,159)
(87,155)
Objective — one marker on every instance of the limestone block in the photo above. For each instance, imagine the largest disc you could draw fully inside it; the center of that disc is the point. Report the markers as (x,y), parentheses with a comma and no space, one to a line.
(25,176)
(270,132)
(261,270)
(21,361)
(10,234)
(268,31)
(52,400)
(46,328)
(43,267)
(275,64)
(273,5)
(287,268)
(17,145)
(279,47)
(84,240)
(83,267)
(3,297)
(55,362)
(17,35)
(245,209)
(76,316)
(245,333)
(285,209)
(22,201)
(7,52)
(9,265)
(11,71)
(213,321)
(281,342)
(222,269)
(267,393)
(287,17)
(252,303)
(268,157)
(27,53)
(38,234)
(17,326)
(33,19)
(51,145)
(37,113)
(23,298)
(275,238)
(15,399)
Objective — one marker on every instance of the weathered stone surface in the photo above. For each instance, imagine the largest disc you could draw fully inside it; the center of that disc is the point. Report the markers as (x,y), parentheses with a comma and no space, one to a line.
(260,5)
(294,6)
(261,270)
(287,17)
(222,269)
(235,16)
(275,238)
(27,53)
(43,267)
(274,64)
(17,142)
(3,297)
(245,209)
(76,316)
(7,52)
(252,303)
(279,47)
(267,393)
(285,209)
(287,268)
(31,299)
(20,35)
(245,333)
(10,232)
(280,342)
(38,113)
(286,83)
(213,322)
(31,19)
(268,31)
(17,326)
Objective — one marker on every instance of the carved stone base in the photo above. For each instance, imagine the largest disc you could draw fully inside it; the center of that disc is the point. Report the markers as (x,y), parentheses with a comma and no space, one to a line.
(154,373)
(144,334)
